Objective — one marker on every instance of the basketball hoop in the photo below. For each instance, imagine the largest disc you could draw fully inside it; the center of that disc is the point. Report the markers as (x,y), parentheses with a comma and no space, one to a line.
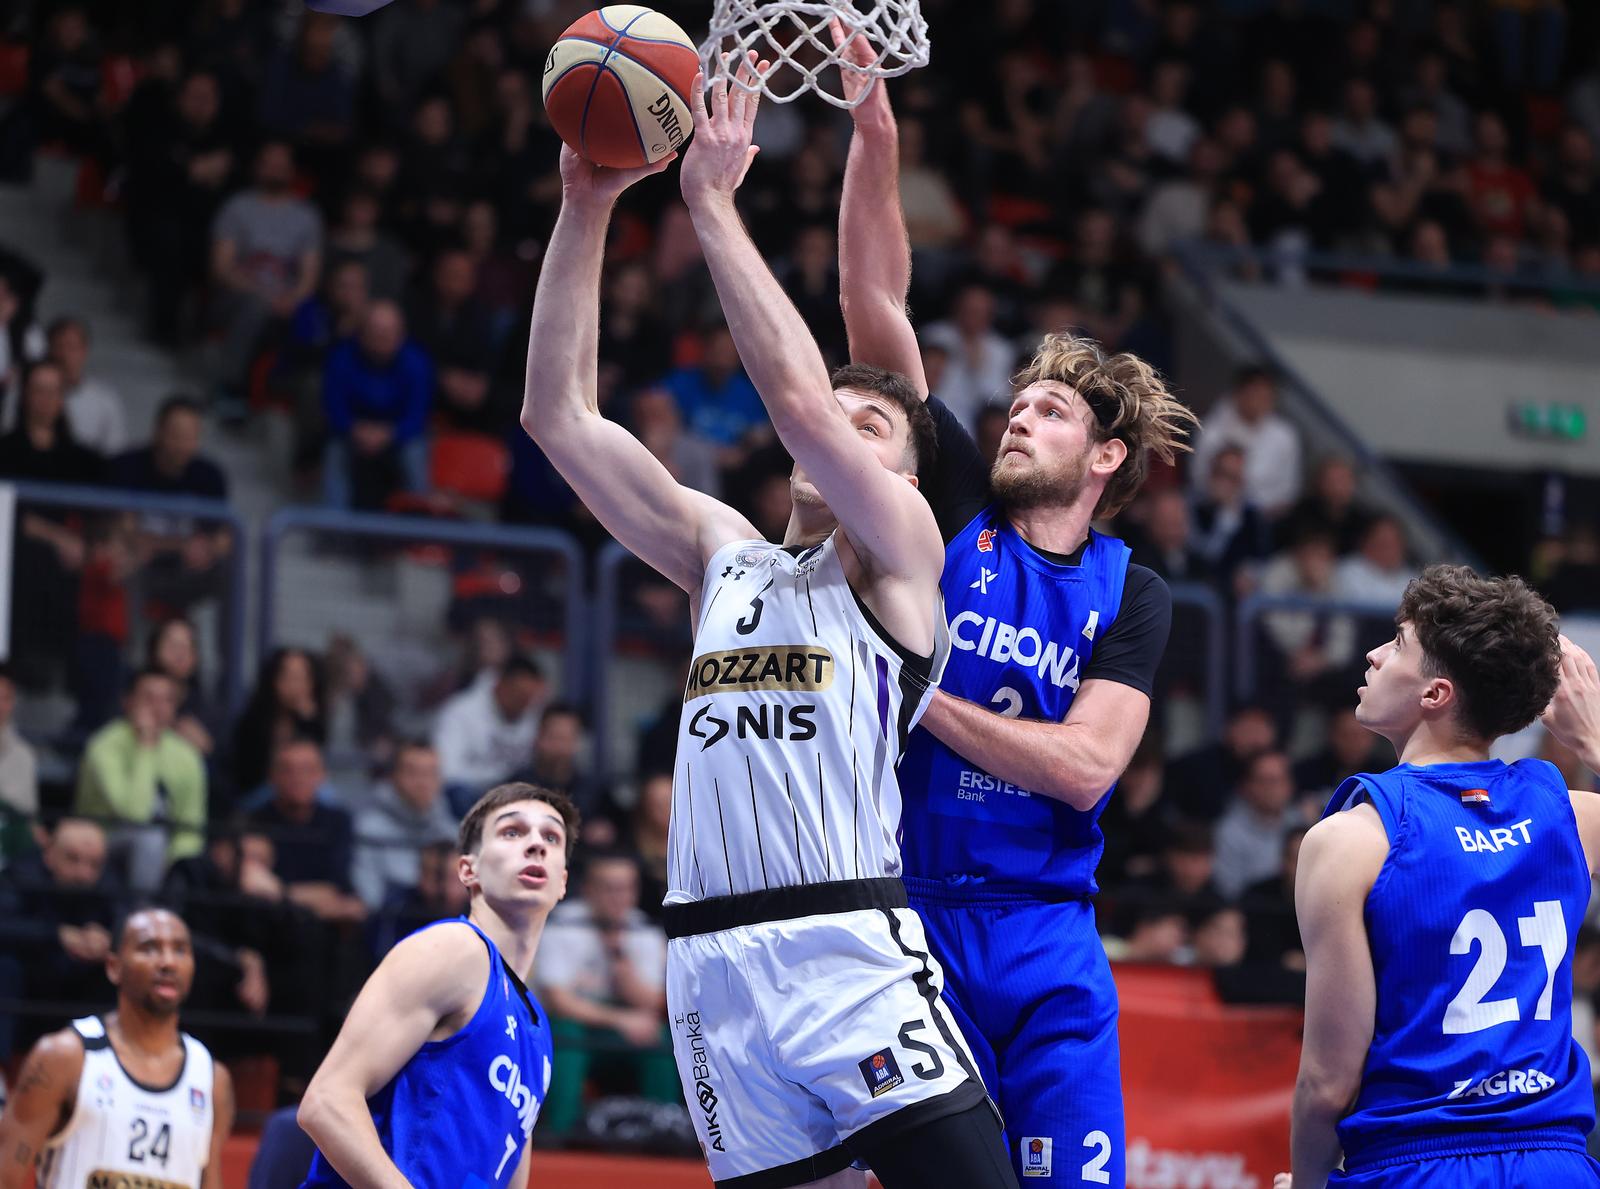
(793,35)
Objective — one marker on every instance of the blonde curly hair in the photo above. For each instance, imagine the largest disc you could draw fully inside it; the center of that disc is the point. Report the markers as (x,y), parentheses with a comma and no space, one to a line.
(1129,401)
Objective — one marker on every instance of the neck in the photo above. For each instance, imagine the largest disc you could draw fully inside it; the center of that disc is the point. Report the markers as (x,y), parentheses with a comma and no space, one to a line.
(43,437)
(1427,744)
(809,526)
(141,1030)
(516,937)
(1053,528)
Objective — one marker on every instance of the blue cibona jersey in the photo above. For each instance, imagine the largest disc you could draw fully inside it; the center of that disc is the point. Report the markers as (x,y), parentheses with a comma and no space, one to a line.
(459,1113)
(1472,923)
(1022,629)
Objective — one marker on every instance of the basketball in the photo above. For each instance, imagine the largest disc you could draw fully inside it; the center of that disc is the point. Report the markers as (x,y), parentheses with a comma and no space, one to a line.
(616,85)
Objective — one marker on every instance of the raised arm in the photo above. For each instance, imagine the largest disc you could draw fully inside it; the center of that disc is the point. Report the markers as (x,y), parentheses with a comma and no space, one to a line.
(1573,717)
(887,521)
(1339,863)
(425,980)
(874,251)
(668,526)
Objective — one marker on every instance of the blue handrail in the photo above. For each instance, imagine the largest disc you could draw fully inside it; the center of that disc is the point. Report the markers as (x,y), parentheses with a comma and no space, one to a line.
(448,532)
(608,589)
(67,495)
(1251,609)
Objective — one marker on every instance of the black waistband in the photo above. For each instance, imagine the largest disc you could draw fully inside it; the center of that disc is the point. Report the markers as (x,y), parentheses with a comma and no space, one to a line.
(781,904)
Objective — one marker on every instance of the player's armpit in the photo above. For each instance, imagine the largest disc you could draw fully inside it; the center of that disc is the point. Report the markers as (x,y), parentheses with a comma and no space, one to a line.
(38,1105)
(1339,862)
(426,979)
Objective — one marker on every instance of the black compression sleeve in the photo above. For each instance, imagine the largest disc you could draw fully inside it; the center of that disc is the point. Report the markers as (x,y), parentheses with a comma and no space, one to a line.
(958,488)
(1132,647)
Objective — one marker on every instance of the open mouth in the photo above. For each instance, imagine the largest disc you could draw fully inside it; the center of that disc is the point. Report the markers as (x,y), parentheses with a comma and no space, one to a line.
(533,875)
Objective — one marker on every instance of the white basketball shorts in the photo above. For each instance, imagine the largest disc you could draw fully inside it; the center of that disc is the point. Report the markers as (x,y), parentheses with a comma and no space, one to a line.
(803,1016)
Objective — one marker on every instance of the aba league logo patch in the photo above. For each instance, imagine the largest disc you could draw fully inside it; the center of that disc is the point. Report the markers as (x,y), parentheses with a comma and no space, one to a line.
(1035,1156)
(880,1072)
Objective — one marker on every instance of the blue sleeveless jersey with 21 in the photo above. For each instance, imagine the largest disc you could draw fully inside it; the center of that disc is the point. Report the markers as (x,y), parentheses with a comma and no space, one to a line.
(1022,628)
(459,1113)
(1472,924)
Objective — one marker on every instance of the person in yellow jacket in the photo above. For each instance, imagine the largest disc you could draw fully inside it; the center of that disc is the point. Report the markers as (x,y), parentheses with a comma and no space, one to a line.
(145,783)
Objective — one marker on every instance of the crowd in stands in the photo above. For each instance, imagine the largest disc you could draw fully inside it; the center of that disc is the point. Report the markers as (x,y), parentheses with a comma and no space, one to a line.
(344,221)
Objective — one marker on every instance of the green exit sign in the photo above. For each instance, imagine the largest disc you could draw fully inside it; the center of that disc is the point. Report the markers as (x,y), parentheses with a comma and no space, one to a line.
(1550,420)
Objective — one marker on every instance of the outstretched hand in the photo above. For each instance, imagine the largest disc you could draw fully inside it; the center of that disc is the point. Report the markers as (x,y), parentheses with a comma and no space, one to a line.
(722,150)
(858,51)
(1573,715)
(583,180)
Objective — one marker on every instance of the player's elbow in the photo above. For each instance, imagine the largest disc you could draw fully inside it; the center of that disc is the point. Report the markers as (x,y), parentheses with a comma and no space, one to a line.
(1325,1093)
(317,1113)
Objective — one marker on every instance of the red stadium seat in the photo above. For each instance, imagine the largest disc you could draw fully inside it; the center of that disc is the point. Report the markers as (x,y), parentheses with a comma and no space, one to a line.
(13,68)
(473,466)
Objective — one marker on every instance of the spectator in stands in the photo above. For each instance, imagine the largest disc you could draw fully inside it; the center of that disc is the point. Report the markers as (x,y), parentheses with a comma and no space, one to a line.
(1574,580)
(1201,780)
(173,648)
(718,401)
(503,278)
(647,839)
(1170,130)
(1430,91)
(266,255)
(171,464)
(307,94)
(361,704)
(57,908)
(486,731)
(635,345)
(1330,506)
(408,813)
(1230,533)
(1158,933)
(1135,821)
(22,342)
(1250,834)
(659,425)
(1379,572)
(312,841)
(146,782)
(287,703)
(1187,869)
(1275,960)
(438,893)
(64,83)
(359,238)
(1163,543)
(1349,748)
(376,393)
(42,447)
(19,776)
(455,329)
(993,421)
(1317,648)
(1219,937)
(1248,418)
(410,49)
(602,975)
(179,167)
(94,408)
(934,219)
(980,359)
(556,763)
(1573,186)
(1179,207)
(1362,132)
(809,274)
(1504,199)
(1105,287)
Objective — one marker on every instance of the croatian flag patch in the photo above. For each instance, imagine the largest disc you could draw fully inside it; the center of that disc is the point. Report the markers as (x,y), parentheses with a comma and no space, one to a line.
(1474,796)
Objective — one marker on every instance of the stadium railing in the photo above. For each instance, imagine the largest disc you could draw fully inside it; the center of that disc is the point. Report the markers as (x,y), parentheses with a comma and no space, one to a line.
(1250,614)
(100,518)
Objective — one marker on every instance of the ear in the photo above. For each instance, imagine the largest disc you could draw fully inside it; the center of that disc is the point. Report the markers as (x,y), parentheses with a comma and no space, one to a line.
(1108,456)
(114,969)
(1438,696)
(467,871)
(911,478)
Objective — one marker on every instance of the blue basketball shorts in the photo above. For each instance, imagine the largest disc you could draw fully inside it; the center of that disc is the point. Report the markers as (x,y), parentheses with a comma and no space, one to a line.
(1528,1169)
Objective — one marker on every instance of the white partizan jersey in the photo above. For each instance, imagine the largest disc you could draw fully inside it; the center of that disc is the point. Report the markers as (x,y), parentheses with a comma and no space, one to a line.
(795,711)
(126,1135)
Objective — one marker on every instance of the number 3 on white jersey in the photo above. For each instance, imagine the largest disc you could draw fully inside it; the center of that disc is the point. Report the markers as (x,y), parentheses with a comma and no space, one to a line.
(1545,930)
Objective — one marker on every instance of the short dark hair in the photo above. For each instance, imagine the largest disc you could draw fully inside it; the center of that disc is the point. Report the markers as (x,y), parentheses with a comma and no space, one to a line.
(67,322)
(410,743)
(1496,639)
(561,709)
(141,674)
(1189,837)
(119,926)
(1251,373)
(470,838)
(900,392)
(178,402)
(519,665)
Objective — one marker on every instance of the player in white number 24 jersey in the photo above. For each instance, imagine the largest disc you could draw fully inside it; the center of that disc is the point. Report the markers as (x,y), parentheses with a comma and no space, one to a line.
(125,1100)
(806,1017)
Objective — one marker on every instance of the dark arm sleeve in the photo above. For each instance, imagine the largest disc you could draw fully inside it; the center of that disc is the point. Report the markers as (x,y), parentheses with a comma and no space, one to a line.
(958,488)
(1131,650)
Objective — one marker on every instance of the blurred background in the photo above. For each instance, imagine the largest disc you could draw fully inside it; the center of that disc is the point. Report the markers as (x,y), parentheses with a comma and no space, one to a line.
(287,587)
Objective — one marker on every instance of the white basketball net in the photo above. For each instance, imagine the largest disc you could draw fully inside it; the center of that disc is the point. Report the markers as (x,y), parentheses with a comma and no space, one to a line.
(793,35)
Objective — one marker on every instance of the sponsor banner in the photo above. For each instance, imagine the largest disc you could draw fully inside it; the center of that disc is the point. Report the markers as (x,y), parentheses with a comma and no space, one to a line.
(1207,1087)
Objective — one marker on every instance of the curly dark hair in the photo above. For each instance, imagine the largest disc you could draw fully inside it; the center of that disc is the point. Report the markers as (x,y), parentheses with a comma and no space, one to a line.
(1496,639)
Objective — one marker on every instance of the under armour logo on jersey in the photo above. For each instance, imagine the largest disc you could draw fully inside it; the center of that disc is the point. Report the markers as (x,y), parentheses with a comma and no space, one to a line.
(985,576)
(511,1027)
(986,541)
(729,570)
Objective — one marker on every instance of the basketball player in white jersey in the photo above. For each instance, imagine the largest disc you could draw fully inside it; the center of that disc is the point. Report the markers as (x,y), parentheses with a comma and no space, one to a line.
(805,1010)
(125,1098)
